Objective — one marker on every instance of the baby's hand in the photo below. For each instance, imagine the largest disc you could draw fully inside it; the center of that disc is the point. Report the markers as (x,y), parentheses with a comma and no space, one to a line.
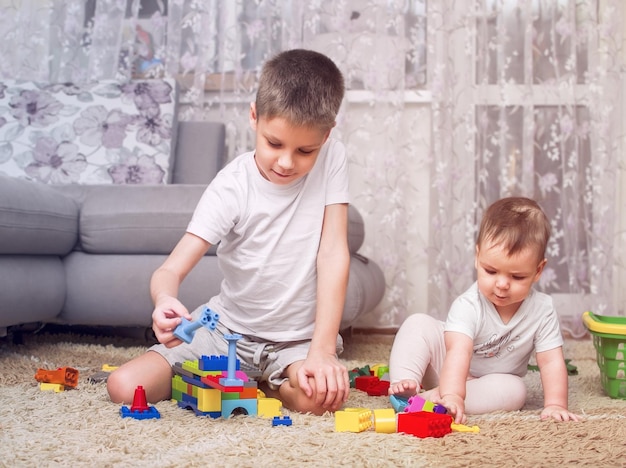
(404,388)
(455,406)
(166,317)
(558,413)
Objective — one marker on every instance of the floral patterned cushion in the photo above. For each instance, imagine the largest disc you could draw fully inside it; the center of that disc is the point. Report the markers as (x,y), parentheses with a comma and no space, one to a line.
(101,133)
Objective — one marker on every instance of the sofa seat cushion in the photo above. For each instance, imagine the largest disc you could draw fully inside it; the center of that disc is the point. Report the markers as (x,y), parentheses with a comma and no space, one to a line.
(136,219)
(35,219)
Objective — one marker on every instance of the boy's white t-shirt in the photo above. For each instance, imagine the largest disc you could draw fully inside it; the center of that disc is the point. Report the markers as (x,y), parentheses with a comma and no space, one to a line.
(499,347)
(268,238)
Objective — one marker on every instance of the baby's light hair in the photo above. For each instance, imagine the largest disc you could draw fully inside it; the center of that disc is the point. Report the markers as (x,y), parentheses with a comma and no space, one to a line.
(302,86)
(515,223)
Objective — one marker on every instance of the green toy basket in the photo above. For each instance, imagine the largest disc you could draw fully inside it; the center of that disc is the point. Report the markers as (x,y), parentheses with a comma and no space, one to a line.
(609,339)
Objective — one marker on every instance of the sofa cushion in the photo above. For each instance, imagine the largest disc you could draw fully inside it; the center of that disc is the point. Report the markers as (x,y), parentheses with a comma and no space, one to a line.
(36,219)
(136,219)
(97,133)
(32,288)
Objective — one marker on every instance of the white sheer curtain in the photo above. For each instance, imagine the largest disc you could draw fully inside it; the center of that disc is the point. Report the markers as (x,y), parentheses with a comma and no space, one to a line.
(526,101)
(450,106)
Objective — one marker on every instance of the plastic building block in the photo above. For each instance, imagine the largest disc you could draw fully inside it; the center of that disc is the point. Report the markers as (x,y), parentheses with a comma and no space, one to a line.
(269,407)
(150,413)
(231,379)
(54,387)
(417,403)
(67,376)
(363,382)
(379,388)
(463,428)
(353,420)
(385,420)
(237,407)
(356,372)
(214,363)
(187,329)
(398,403)
(140,409)
(379,370)
(424,424)
(281,421)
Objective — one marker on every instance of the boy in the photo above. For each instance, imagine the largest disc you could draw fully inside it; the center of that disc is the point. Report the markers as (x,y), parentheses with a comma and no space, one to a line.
(478,358)
(279,214)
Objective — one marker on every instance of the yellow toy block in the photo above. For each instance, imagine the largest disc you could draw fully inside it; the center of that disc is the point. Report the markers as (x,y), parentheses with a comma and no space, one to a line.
(108,367)
(353,420)
(463,428)
(428,406)
(47,387)
(385,420)
(269,407)
(209,399)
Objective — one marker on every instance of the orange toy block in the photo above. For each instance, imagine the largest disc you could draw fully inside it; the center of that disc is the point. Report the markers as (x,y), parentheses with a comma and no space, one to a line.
(67,376)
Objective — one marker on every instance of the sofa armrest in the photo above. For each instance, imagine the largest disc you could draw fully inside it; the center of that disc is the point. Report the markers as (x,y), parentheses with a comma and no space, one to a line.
(35,219)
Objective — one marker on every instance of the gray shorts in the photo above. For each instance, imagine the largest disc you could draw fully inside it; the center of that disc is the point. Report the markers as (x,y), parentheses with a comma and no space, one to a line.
(270,358)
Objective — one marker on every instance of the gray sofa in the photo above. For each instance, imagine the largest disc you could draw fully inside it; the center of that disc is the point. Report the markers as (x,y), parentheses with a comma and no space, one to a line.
(84,254)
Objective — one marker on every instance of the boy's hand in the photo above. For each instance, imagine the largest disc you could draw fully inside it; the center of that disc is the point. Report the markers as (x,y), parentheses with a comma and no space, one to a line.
(455,406)
(404,388)
(166,317)
(558,413)
(331,384)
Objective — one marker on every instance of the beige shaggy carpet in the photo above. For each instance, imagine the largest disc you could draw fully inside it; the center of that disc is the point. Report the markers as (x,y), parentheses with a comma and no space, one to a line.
(81,427)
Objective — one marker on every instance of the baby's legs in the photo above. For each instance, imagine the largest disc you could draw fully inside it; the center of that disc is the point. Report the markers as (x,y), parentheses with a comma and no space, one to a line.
(151,370)
(494,392)
(417,355)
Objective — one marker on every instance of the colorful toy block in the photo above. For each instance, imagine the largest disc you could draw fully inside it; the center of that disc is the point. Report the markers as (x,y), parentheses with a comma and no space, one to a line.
(186,330)
(353,420)
(379,370)
(417,403)
(66,376)
(385,420)
(281,421)
(356,372)
(363,382)
(231,379)
(269,407)
(140,409)
(51,387)
(398,403)
(424,424)
(463,428)
(238,407)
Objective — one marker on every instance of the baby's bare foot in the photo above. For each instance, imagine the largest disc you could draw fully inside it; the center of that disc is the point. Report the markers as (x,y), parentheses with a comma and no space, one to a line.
(404,388)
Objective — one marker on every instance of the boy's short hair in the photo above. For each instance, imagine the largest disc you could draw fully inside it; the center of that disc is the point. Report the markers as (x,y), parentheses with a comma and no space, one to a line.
(302,86)
(515,223)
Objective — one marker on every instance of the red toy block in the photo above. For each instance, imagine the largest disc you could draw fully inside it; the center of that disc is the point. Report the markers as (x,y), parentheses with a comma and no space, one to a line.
(424,424)
(380,388)
(140,403)
(67,376)
(363,382)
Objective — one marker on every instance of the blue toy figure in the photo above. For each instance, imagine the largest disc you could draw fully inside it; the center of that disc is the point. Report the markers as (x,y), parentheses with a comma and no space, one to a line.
(187,329)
